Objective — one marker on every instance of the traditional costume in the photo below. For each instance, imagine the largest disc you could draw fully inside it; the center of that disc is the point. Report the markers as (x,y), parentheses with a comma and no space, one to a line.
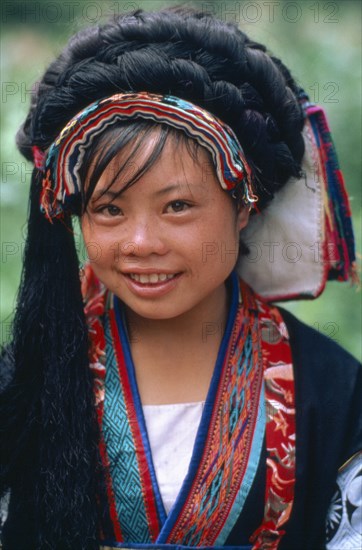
(276,457)
(271,438)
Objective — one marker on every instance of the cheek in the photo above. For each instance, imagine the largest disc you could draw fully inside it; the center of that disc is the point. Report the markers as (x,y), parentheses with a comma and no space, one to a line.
(87,227)
(97,247)
(218,244)
(227,225)
(230,239)
(243,217)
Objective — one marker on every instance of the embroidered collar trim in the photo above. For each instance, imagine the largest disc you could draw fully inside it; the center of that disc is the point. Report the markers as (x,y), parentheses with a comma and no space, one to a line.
(251,394)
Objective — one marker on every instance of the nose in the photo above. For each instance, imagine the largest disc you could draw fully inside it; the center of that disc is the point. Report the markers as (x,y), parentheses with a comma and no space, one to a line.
(144,238)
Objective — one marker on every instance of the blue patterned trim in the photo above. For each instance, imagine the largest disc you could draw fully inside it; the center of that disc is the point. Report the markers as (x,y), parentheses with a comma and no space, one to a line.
(122,331)
(123,463)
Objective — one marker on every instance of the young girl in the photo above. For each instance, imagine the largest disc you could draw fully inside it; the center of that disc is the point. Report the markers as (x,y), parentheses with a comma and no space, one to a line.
(157,397)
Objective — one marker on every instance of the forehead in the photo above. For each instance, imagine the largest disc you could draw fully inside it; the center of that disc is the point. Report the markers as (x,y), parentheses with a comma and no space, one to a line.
(121,156)
(164,158)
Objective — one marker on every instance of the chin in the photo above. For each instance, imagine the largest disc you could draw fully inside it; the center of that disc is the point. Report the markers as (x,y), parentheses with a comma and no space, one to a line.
(154,315)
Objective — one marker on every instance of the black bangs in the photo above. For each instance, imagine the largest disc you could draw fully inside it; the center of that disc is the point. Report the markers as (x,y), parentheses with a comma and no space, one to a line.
(133,135)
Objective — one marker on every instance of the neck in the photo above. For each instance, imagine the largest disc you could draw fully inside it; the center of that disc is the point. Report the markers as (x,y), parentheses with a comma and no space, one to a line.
(174,358)
(203,323)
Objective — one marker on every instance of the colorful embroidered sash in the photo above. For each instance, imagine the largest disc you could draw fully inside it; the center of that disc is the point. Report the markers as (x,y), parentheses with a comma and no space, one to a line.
(251,396)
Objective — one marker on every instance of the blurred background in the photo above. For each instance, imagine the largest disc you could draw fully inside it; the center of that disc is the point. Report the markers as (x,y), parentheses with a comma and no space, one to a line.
(319,40)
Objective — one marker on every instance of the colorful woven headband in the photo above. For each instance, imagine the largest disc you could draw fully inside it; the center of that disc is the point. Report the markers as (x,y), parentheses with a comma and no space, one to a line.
(61,180)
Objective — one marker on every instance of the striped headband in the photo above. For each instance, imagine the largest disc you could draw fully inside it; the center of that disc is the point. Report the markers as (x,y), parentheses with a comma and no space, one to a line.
(61,179)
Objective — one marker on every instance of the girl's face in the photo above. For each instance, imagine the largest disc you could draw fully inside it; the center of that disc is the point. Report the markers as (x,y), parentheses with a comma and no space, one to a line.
(166,245)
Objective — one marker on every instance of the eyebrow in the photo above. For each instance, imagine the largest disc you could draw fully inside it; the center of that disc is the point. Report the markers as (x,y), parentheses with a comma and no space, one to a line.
(172,187)
(104,192)
(114,194)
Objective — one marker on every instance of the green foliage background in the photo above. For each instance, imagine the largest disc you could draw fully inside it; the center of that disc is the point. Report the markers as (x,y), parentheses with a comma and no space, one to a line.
(318,40)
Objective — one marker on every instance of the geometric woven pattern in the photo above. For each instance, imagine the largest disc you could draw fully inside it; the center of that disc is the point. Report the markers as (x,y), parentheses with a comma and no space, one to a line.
(121,453)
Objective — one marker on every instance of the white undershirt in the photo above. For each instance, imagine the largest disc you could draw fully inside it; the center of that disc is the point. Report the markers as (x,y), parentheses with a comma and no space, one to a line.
(171,432)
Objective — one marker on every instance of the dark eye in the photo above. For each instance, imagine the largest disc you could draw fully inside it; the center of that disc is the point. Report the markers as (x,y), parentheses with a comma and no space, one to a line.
(110,210)
(178,206)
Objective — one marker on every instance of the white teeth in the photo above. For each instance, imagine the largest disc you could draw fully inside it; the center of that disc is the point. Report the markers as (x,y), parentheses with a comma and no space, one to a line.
(151,277)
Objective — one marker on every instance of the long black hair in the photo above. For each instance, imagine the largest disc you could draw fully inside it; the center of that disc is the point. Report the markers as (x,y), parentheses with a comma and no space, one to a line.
(50,457)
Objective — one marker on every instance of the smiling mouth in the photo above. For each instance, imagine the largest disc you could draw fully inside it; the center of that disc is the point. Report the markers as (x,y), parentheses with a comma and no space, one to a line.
(151,278)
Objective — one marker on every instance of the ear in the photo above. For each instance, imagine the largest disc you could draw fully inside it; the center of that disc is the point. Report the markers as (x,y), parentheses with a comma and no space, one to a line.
(243,217)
